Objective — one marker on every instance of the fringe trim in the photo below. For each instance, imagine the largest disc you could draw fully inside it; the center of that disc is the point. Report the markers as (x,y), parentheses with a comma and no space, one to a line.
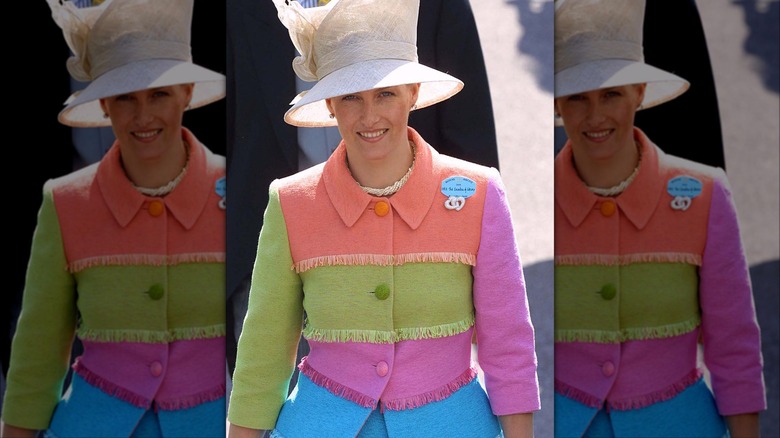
(628,334)
(388,337)
(639,402)
(334,387)
(145,260)
(437,394)
(577,395)
(384,260)
(192,400)
(111,388)
(151,336)
(628,259)
(665,394)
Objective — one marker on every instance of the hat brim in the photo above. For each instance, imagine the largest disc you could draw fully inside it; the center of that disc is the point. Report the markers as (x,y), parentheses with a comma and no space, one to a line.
(83,107)
(309,108)
(662,86)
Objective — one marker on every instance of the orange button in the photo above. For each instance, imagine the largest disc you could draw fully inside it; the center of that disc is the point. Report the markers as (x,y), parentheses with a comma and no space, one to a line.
(381,208)
(608,208)
(156,208)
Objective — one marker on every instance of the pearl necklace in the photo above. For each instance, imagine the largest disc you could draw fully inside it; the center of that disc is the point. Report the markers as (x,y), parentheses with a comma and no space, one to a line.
(619,188)
(161,191)
(396,186)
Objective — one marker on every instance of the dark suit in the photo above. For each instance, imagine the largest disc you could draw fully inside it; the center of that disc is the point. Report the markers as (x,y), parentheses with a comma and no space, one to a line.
(261,83)
(674,40)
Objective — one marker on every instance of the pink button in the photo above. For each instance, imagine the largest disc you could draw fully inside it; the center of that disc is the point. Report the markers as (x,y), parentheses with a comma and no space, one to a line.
(382,369)
(156,369)
(608,368)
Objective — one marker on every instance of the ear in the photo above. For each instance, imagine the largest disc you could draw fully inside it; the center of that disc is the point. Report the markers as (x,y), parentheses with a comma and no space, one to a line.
(103,106)
(329,105)
(415,88)
(188,89)
(641,93)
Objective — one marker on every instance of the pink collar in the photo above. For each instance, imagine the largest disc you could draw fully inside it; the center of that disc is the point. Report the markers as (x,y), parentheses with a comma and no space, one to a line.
(637,202)
(186,202)
(411,203)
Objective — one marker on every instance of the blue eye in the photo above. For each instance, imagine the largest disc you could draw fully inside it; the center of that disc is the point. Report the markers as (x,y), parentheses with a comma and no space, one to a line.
(349,97)
(386,94)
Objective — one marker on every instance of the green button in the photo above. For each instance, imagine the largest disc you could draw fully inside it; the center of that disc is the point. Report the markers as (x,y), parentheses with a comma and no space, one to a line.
(382,292)
(155,292)
(608,291)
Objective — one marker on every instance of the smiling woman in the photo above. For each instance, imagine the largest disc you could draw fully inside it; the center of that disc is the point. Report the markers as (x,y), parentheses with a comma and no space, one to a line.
(147,125)
(649,267)
(397,254)
(600,123)
(373,125)
(128,253)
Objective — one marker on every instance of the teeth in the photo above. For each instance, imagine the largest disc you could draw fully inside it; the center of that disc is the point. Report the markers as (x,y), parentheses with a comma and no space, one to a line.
(146,134)
(373,134)
(598,134)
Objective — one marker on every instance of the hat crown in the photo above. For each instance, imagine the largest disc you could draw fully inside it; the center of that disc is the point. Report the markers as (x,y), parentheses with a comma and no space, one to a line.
(593,30)
(346,32)
(119,32)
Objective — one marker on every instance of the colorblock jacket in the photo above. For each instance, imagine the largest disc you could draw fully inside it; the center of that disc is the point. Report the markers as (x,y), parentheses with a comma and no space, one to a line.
(392,290)
(641,279)
(140,281)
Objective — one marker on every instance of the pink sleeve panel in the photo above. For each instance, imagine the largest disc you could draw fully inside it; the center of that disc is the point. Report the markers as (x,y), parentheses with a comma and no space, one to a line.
(505,334)
(731,336)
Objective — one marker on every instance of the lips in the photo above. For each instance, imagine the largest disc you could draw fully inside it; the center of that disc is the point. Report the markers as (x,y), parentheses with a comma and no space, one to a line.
(372,134)
(146,135)
(598,135)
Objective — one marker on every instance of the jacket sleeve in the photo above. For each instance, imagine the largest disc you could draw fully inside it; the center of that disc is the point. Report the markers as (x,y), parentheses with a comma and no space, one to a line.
(731,336)
(505,334)
(271,330)
(45,330)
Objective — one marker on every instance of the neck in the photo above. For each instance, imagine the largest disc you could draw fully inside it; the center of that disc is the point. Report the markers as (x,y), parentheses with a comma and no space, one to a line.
(382,172)
(157,171)
(607,172)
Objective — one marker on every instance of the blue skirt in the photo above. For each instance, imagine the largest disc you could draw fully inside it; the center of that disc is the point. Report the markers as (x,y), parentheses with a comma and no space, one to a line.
(691,413)
(312,411)
(86,411)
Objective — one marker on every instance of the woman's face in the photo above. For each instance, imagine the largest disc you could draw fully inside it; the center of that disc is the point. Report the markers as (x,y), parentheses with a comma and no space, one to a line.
(600,122)
(147,123)
(373,123)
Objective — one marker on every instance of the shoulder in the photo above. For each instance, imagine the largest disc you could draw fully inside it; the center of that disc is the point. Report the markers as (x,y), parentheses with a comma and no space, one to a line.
(72,183)
(445,166)
(301,182)
(214,162)
(671,166)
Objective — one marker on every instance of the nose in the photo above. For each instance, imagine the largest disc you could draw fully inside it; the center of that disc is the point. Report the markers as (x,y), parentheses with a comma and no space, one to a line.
(143,113)
(596,112)
(370,115)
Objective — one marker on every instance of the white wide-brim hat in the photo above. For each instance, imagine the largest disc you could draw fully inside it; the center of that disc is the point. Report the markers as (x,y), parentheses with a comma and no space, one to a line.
(349,46)
(598,44)
(124,46)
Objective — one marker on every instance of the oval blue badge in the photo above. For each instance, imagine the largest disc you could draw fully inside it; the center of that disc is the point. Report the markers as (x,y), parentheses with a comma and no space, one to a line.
(221,186)
(458,186)
(684,185)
